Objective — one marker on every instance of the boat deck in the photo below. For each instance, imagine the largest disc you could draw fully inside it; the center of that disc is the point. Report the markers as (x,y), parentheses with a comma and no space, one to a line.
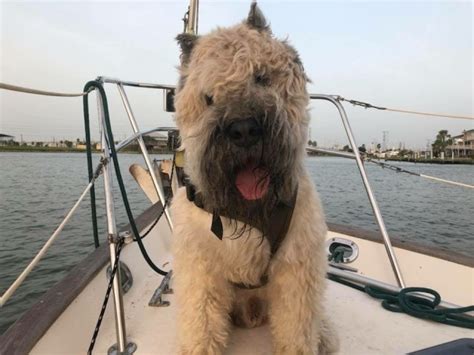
(364,327)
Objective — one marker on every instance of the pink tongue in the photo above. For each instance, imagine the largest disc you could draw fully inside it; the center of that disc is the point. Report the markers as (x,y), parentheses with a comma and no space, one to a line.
(252,182)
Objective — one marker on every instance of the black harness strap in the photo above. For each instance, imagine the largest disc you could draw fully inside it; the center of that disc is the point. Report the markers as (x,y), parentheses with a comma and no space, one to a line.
(277,227)
(280,220)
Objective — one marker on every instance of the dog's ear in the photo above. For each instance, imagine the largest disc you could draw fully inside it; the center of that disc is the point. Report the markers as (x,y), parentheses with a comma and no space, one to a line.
(256,19)
(187,42)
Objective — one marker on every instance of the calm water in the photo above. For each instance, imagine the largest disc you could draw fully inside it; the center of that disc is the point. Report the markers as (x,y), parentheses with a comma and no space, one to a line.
(37,189)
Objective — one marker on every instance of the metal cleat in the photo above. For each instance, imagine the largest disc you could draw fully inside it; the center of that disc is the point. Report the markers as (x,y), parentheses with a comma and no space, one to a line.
(164,289)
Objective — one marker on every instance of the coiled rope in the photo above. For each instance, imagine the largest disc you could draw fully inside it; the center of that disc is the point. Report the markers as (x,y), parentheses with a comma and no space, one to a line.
(405,301)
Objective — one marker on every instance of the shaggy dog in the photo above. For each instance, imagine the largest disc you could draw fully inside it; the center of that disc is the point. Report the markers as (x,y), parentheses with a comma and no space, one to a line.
(241,108)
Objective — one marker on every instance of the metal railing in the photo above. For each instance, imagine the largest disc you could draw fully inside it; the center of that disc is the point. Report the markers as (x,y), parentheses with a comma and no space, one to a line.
(137,136)
(335,100)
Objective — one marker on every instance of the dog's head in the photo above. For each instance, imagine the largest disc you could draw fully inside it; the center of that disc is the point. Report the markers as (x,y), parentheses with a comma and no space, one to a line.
(241,108)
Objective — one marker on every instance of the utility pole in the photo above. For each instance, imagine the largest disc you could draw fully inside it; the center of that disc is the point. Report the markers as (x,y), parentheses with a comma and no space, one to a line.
(384,140)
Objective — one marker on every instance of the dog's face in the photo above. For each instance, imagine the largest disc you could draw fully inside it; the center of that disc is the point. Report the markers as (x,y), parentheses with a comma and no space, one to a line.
(241,108)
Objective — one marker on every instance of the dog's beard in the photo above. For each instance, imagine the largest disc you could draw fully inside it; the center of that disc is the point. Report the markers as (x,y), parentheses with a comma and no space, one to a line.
(272,160)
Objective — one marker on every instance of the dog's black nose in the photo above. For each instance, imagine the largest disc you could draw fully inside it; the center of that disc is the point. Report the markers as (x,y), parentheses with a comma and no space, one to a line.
(244,133)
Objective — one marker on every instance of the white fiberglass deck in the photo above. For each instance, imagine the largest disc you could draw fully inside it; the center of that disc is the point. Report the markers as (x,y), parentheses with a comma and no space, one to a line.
(364,327)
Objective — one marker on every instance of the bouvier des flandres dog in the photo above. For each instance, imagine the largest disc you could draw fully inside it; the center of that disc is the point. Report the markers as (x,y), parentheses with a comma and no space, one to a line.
(249,229)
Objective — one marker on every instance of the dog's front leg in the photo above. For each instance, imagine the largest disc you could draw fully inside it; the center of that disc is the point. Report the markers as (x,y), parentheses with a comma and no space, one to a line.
(205,300)
(294,303)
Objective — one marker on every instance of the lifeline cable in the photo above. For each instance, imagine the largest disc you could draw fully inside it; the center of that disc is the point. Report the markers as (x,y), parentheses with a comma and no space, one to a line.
(402,170)
(14,286)
(351,101)
(386,165)
(39,92)
(367,105)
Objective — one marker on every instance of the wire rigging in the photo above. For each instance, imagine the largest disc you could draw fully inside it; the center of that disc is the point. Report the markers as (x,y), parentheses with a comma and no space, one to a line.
(185,20)
(39,92)
(402,170)
(367,105)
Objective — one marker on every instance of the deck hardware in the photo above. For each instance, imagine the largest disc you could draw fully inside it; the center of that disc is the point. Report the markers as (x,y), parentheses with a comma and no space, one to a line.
(130,349)
(351,249)
(164,289)
(342,267)
(126,277)
(113,238)
(127,236)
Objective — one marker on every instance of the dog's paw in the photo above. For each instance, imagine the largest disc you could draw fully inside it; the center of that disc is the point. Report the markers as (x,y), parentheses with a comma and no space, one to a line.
(251,313)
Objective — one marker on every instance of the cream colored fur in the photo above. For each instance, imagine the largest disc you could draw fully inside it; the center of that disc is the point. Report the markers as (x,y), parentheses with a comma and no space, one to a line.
(204,265)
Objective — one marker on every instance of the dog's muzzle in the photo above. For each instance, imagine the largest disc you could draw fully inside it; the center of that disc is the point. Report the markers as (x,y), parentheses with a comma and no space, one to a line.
(244,133)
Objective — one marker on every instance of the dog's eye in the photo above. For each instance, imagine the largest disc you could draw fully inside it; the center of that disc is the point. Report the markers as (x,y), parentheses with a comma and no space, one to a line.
(209,100)
(261,79)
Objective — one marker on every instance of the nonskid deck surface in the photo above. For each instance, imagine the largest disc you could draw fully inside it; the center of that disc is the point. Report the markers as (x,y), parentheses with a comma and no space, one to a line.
(364,327)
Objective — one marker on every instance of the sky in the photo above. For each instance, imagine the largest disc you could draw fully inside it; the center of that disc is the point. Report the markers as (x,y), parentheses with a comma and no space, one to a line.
(415,55)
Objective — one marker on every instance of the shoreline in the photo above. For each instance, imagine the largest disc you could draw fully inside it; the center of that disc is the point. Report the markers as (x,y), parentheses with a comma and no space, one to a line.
(456,161)
(438,161)
(16,149)
(4,149)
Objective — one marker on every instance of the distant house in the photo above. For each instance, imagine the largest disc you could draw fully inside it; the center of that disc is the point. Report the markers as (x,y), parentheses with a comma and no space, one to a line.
(5,139)
(392,153)
(425,154)
(463,145)
(387,154)
(55,144)
(83,145)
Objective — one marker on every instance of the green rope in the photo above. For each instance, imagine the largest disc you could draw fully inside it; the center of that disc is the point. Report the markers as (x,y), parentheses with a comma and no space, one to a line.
(89,168)
(406,302)
(113,154)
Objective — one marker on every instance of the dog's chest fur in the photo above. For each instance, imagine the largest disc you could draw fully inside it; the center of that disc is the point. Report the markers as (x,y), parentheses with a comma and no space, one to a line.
(242,257)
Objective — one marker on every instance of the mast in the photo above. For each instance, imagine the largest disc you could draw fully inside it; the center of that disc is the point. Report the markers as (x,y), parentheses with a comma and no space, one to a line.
(191,22)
